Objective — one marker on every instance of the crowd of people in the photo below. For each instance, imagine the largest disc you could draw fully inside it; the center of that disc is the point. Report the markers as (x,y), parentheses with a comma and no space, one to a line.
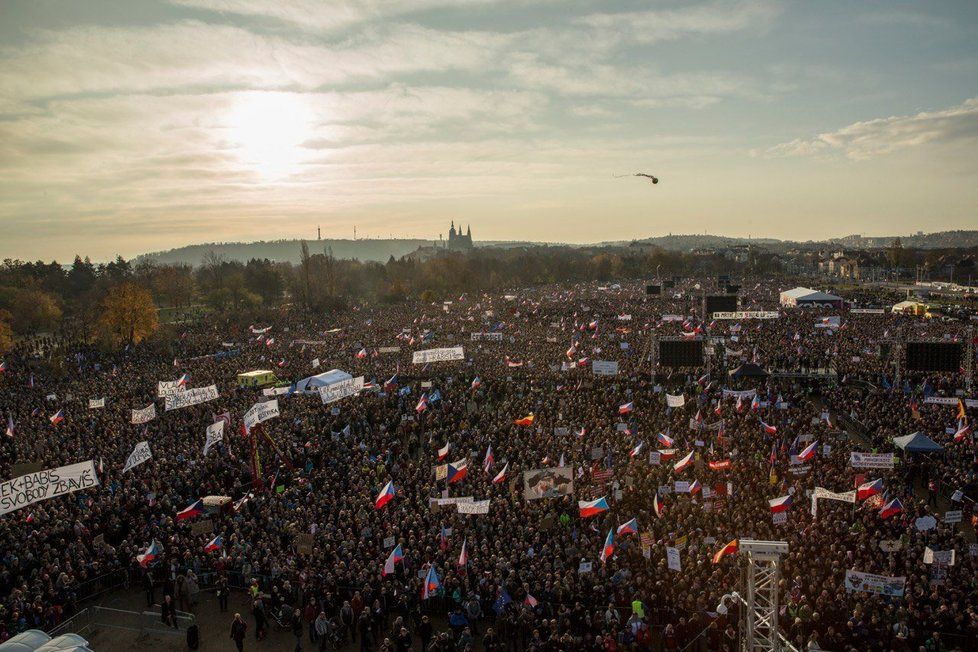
(302,532)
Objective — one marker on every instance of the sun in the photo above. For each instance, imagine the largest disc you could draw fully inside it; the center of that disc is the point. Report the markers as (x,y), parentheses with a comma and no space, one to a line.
(267,129)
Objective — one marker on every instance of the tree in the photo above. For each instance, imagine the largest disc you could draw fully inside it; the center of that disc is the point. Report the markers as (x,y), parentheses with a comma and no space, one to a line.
(6,337)
(128,315)
(34,310)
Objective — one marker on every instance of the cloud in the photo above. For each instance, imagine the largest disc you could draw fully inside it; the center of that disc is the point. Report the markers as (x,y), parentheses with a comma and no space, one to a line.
(873,138)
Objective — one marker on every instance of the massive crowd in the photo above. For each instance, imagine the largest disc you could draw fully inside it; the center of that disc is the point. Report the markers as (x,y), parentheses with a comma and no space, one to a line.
(521,583)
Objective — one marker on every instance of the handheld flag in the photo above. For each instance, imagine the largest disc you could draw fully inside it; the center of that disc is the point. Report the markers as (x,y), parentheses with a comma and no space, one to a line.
(629,527)
(729,549)
(57,417)
(443,451)
(152,552)
(695,487)
(808,453)
(195,509)
(635,451)
(891,508)
(501,476)
(608,549)
(396,555)
(682,464)
(463,557)
(487,463)
(525,421)
(627,408)
(657,506)
(589,508)
(867,489)
(386,495)
(431,583)
(422,404)
(457,471)
(214,544)
(665,440)
(964,429)
(782,504)
(769,429)
(10,425)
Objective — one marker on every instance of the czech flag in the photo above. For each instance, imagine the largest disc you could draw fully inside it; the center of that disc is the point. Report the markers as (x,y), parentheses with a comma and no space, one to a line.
(781,504)
(3,366)
(443,452)
(391,383)
(57,418)
(631,527)
(184,379)
(463,557)
(740,405)
(721,465)
(386,495)
(657,506)
(361,354)
(962,432)
(867,489)
(431,583)
(196,509)
(635,451)
(396,555)
(665,440)
(891,508)
(525,421)
(589,508)
(718,410)
(685,462)
(626,408)
(695,487)
(608,549)
(10,425)
(755,403)
(476,383)
(457,471)
(667,454)
(702,379)
(729,549)
(487,463)
(501,476)
(808,453)
(530,600)
(771,430)
(215,544)
(422,404)
(151,553)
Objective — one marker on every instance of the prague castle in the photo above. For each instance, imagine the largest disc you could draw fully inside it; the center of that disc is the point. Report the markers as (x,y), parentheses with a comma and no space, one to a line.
(457,241)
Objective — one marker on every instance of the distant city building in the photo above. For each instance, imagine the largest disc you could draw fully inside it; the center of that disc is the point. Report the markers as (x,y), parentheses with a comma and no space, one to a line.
(457,241)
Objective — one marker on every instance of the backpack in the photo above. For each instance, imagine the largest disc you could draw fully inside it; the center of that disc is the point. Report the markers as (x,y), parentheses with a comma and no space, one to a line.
(193,637)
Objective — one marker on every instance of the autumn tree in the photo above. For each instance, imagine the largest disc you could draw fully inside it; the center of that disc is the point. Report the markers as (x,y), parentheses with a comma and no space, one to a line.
(6,337)
(128,315)
(34,310)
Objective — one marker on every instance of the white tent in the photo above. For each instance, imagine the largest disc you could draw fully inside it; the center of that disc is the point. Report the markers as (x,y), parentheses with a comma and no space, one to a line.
(808,297)
(34,640)
(312,384)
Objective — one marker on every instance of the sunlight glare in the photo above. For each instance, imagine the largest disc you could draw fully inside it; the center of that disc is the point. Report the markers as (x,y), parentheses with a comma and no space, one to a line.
(267,130)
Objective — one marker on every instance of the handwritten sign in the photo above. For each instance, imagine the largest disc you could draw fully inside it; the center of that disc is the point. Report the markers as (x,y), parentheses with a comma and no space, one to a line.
(34,487)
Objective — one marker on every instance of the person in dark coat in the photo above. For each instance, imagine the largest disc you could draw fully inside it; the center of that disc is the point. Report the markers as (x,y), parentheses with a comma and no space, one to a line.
(238,630)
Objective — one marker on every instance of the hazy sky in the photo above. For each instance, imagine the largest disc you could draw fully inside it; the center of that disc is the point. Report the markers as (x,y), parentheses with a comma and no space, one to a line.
(128,126)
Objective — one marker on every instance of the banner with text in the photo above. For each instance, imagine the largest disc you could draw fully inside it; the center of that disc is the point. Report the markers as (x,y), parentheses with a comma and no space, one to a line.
(34,487)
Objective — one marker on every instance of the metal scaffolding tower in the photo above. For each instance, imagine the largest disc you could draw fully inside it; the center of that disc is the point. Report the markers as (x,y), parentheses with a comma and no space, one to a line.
(761,612)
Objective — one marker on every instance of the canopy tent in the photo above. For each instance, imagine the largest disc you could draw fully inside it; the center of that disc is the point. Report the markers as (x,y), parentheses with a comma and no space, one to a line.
(312,384)
(800,296)
(918,442)
(748,370)
(34,640)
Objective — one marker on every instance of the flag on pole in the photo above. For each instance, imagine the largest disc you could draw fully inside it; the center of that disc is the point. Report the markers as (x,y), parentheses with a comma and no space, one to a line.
(608,549)
(487,462)
(868,489)
(385,496)
(214,544)
(589,508)
(782,504)
(684,463)
(891,508)
(657,506)
(151,553)
(729,549)
(525,421)
(443,451)
(194,509)
(431,583)
(628,527)
(808,453)
(501,476)
(463,557)
(396,555)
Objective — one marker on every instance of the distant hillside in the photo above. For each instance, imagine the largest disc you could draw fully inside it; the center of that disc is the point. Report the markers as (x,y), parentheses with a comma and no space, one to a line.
(687,242)
(939,240)
(287,250)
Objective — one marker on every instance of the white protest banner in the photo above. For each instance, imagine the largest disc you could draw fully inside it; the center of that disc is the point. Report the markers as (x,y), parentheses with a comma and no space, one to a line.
(438,355)
(34,487)
(139,454)
(675,401)
(144,415)
(389,349)
(747,314)
(945,400)
(672,318)
(953,516)
(682,486)
(846,497)
(95,403)
(942,557)
(584,567)
(871,460)
(190,397)
(925,523)
(872,583)
(779,518)
(673,560)
(477,507)
(260,412)
(742,393)
(169,387)
(655,458)
(276,391)
(624,317)
(891,545)
(487,337)
(604,367)
(957,496)
(867,311)
(315,363)
(337,391)
(215,435)
(454,500)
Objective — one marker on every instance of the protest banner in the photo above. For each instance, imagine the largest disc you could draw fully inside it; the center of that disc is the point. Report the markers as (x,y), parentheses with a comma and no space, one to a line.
(145,415)
(169,387)
(389,349)
(139,454)
(943,557)
(548,483)
(215,435)
(438,355)
(487,337)
(950,400)
(872,583)
(866,311)
(871,460)
(604,367)
(34,487)
(890,545)
(454,500)
(953,516)
(261,412)
(673,560)
(343,389)
(96,403)
(675,401)
(742,393)
(190,397)
(202,526)
(747,314)
(476,507)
